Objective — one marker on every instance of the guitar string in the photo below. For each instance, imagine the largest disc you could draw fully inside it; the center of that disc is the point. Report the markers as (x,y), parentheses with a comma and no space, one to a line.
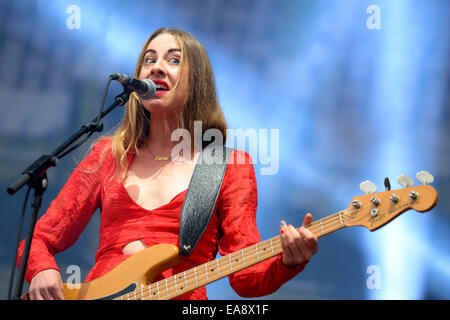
(262,246)
(201,276)
(356,215)
(252,252)
(172,291)
(187,279)
(251,259)
(148,293)
(250,256)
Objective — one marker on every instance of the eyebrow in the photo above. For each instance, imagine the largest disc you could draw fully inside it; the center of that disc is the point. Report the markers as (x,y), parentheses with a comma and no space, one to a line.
(168,51)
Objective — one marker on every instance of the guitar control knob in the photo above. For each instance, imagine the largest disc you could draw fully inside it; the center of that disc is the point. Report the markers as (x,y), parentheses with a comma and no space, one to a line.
(413,195)
(356,204)
(394,198)
(375,201)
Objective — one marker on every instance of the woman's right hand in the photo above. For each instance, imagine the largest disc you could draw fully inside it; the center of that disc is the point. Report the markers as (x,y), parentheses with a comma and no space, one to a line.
(46,285)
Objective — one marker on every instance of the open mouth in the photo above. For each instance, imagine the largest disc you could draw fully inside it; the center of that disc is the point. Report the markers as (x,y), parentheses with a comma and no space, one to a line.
(161,85)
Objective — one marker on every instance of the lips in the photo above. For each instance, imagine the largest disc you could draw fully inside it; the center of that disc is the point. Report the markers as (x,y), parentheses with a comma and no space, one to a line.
(161,85)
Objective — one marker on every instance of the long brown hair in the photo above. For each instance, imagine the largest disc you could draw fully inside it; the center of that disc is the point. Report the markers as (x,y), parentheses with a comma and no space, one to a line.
(201,103)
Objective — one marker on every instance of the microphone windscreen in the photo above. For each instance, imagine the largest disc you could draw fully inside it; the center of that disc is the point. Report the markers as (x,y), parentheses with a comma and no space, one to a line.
(151,89)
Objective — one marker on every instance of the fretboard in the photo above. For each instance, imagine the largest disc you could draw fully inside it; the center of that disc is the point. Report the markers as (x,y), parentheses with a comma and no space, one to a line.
(201,275)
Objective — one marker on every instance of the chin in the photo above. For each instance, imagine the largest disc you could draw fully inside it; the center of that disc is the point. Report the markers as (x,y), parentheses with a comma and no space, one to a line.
(160,108)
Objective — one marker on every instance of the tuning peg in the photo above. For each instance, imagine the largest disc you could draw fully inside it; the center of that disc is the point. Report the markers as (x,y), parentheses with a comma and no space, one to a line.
(387,184)
(405,181)
(424,177)
(368,187)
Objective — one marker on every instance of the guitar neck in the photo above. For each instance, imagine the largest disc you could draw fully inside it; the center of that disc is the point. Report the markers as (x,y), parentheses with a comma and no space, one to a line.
(206,273)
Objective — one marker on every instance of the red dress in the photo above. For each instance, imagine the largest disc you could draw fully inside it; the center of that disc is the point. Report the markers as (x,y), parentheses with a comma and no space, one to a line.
(91,186)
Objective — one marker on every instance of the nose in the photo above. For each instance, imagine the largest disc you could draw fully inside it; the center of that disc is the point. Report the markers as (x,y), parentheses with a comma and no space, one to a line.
(157,69)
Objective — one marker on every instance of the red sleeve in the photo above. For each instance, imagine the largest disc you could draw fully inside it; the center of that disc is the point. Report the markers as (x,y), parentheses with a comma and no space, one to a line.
(67,216)
(238,205)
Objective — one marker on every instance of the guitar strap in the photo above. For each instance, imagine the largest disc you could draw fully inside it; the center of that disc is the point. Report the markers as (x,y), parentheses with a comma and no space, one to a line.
(202,195)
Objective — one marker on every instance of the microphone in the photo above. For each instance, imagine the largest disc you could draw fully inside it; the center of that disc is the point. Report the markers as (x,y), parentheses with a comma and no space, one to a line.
(145,89)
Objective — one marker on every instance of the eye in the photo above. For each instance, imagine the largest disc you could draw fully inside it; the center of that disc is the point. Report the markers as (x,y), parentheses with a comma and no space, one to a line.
(174,60)
(148,60)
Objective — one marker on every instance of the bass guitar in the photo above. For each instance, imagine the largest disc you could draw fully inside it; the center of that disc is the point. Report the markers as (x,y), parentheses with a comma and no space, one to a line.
(133,278)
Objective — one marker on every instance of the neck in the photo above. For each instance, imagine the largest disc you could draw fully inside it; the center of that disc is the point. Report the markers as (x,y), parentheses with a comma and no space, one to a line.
(161,128)
(211,271)
(159,143)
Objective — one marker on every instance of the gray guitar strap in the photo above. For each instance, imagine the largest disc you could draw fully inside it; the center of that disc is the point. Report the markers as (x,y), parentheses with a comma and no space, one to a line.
(202,195)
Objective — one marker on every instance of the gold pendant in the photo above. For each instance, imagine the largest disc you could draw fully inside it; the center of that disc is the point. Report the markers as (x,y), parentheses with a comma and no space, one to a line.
(162,158)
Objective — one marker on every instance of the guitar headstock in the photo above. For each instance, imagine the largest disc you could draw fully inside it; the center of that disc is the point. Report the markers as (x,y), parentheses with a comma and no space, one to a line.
(374,210)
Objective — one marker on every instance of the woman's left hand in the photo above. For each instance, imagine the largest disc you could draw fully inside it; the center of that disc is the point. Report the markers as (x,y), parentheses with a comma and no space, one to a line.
(299,245)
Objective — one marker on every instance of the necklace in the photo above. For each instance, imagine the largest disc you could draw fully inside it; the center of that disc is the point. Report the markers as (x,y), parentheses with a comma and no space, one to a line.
(159,158)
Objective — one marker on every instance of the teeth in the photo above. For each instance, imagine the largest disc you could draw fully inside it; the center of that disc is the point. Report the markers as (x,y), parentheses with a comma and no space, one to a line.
(161,86)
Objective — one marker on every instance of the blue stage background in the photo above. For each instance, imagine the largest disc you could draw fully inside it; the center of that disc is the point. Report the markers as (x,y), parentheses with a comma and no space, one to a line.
(358,90)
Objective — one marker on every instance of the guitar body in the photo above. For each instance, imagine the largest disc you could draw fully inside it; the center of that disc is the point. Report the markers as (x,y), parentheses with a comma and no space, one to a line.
(138,270)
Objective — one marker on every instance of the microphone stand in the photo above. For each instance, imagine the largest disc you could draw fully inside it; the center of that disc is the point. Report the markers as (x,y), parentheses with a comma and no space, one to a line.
(36,177)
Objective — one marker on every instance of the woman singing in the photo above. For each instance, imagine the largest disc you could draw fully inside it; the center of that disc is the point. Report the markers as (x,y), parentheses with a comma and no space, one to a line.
(139,184)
